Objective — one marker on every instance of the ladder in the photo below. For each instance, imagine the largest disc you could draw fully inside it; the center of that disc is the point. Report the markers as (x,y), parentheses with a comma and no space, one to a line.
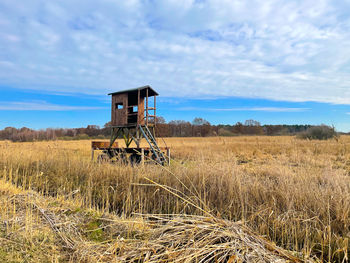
(160,157)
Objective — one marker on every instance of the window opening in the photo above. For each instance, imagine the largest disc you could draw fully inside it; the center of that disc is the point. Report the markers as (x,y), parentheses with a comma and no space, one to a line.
(119,105)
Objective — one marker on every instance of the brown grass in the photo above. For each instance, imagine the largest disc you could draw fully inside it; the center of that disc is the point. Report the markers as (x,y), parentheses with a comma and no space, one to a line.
(46,229)
(294,193)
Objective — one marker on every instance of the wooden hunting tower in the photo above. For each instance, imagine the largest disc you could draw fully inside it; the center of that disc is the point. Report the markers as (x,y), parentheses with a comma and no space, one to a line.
(133,118)
(131,107)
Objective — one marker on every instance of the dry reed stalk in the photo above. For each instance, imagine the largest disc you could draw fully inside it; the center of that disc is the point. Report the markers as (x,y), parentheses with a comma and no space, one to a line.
(203,239)
(162,238)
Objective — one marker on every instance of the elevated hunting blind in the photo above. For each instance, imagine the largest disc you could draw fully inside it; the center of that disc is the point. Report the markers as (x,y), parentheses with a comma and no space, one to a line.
(131,107)
(133,118)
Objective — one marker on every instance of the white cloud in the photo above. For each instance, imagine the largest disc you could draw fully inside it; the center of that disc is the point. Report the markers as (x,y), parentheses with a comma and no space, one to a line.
(266,109)
(273,49)
(41,106)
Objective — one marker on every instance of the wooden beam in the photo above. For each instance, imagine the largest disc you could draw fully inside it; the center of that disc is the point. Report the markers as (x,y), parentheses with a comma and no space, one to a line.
(155,118)
(142,156)
(168,154)
(155,108)
(146,106)
(138,105)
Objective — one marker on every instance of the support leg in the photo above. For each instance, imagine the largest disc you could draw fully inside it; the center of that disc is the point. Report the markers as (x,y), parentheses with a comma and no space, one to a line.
(114,136)
(138,138)
(142,157)
(168,154)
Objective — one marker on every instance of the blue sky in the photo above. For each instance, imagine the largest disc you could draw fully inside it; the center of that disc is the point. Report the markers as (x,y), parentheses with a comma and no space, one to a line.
(223,60)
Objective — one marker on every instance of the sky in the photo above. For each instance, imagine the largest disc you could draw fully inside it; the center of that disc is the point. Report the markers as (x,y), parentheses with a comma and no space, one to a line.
(278,62)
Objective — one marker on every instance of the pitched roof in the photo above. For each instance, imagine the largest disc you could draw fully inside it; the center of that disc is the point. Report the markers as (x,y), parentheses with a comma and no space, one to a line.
(151,92)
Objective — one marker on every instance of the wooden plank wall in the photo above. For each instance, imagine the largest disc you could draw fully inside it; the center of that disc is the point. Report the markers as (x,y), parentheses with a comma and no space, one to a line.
(141,111)
(119,117)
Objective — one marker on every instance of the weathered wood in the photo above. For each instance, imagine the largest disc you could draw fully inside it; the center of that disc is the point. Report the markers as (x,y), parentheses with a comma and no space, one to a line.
(142,156)
(147,107)
(119,116)
(130,99)
(104,144)
(141,112)
(168,154)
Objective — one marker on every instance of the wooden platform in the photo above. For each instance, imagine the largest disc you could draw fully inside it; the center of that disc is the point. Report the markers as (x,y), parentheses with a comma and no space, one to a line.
(102,145)
(141,151)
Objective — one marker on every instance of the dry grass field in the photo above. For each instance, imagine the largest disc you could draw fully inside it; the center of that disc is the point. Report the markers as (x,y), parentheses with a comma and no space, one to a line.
(228,197)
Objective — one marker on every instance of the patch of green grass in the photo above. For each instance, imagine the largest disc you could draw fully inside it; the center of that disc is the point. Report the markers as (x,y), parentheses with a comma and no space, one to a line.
(72,212)
(94,232)
(53,204)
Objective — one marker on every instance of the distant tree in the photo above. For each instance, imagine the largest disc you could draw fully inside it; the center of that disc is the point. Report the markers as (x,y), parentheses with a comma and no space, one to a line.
(274,129)
(93,127)
(200,121)
(180,128)
(7,133)
(81,131)
(50,134)
(321,132)
(251,123)
(238,128)
(92,130)
(107,125)
(162,128)
(201,127)
(160,120)
(71,132)
(253,127)
(25,129)
(225,132)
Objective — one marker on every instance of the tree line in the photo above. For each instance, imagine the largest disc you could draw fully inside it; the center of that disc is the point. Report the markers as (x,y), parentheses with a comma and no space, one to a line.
(199,127)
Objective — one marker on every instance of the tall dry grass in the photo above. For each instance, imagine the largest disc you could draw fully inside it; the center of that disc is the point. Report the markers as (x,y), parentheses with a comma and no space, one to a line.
(295,193)
(35,229)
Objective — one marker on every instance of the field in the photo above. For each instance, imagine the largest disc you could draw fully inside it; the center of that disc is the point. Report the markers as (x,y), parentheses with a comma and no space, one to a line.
(290,198)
